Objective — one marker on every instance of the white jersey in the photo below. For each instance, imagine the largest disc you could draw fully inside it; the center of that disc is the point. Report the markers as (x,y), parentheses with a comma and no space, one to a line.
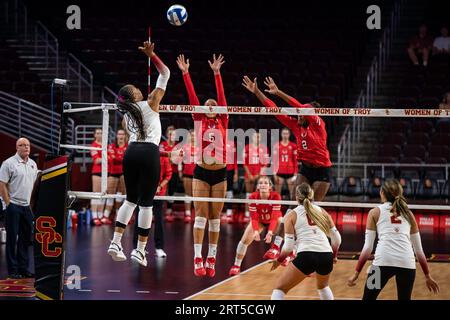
(309,236)
(152,124)
(394,246)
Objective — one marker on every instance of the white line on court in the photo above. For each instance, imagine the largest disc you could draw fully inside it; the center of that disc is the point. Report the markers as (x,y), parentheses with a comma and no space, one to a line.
(85,290)
(113,291)
(171,292)
(142,291)
(267,295)
(226,280)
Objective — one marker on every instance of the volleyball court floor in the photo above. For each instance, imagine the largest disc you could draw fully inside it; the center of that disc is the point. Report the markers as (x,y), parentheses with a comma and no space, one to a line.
(172,278)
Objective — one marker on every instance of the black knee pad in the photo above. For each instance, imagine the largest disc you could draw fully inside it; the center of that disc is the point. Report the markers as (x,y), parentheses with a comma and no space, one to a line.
(143,232)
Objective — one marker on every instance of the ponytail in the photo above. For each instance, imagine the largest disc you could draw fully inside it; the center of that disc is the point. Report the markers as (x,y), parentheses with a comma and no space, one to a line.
(316,215)
(305,195)
(393,191)
(400,207)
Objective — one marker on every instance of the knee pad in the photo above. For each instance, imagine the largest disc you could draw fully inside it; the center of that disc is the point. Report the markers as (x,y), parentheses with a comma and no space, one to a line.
(145,217)
(125,212)
(110,202)
(229,195)
(200,222)
(241,249)
(214,225)
(119,200)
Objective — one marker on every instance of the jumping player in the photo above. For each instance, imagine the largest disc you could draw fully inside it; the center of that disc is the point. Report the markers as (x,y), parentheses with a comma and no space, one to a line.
(398,235)
(141,164)
(306,228)
(262,216)
(210,171)
(311,136)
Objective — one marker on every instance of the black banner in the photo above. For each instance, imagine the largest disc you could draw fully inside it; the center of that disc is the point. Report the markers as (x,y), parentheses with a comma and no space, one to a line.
(49,228)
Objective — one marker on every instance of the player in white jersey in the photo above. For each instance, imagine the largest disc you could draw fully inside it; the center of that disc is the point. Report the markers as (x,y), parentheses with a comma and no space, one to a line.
(141,166)
(309,225)
(398,235)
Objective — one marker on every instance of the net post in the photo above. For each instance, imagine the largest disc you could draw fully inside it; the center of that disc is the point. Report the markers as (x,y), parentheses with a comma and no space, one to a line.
(105,129)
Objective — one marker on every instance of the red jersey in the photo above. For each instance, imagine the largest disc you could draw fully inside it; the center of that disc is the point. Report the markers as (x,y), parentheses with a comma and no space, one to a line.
(232,163)
(285,158)
(115,158)
(164,147)
(312,140)
(188,159)
(265,213)
(96,154)
(165,174)
(256,158)
(212,131)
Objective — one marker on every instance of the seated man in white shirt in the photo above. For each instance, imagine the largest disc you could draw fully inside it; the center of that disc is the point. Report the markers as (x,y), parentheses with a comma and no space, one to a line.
(441,45)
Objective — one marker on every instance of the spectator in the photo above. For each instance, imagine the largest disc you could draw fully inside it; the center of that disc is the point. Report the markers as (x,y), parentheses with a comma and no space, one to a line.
(445,101)
(17,177)
(421,45)
(441,45)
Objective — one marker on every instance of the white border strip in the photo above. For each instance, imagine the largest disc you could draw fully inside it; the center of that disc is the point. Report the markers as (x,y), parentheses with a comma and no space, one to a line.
(226,280)
(54,168)
(333,112)
(71,146)
(94,195)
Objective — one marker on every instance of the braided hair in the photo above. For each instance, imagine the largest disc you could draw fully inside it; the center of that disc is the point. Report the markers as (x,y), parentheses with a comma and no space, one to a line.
(127,106)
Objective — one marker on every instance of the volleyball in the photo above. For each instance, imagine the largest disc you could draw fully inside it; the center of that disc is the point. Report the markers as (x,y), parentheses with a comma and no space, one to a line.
(177,15)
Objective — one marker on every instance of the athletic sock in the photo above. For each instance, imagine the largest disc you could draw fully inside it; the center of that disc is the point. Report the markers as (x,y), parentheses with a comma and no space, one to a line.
(141,245)
(278,241)
(326,294)
(237,262)
(212,250)
(277,295)
(197,250)
(117,238)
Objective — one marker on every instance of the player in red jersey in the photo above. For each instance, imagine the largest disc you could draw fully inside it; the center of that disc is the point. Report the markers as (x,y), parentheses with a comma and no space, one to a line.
(262,216)
(210,171)
(311,136)
(256,158)
(96,155)
(186,172)
(116,151)
(165,148)
(285,158)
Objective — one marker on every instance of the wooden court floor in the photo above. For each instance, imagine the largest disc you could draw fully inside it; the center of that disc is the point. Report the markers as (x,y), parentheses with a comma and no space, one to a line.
(257,283)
